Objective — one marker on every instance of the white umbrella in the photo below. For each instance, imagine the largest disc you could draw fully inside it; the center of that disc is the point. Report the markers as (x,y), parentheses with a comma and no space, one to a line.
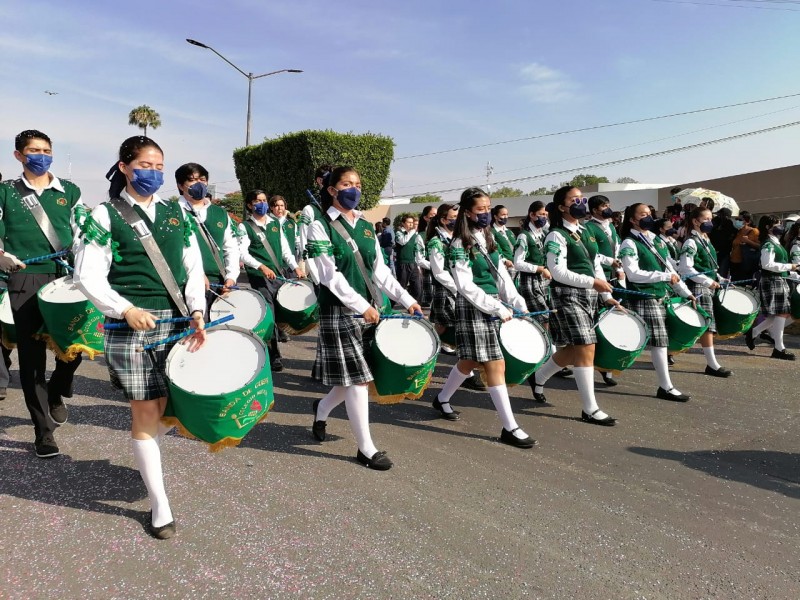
(694,195)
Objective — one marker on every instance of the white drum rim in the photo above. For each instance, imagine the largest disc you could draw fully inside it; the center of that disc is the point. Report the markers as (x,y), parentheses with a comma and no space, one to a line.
(425,325)
(288,287)
(48,292)
(733,293)
(231,311)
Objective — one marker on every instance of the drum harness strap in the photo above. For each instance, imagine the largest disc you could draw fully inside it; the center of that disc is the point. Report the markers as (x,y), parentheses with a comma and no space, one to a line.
(492,269)
(209,241)
(132,218)
(267,247)
(30,200)
(377,297)
(667,267)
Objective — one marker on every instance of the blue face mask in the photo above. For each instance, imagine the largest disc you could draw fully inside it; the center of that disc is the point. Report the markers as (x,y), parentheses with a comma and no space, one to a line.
(578,211)
(707,227)
(647,223)
(777,231)
(146,182)
(349,197)
(38,164)
(607,213)
(671,232)
(260,208)
(502,221)
(738,224)
(450,224)
(197,190)
(482,220)
(540,222)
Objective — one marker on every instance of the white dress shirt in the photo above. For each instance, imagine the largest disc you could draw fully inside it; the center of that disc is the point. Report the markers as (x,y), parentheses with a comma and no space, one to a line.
(686,264)
(637,275)
(230,245)
(302,237)
(438,262)
(768,258)
(419,254)
(286,254)
(520,264)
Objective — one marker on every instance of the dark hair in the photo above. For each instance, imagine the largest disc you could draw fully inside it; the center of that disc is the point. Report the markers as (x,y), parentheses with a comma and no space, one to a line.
(559,198)
(330,180)
(378,227)
(696,212)
(422,225)
(745,216)
(496,210)
(128,152)
(386,221)
(24,137)
(322,170)
(598,201)
(653,211)
(462,228)
(765,224)
(535,206)
(441,213)
(660,223)
(791,235)
(674,191)
(709,203)
(274,200)
(184,172)
(251,196)
(630,210)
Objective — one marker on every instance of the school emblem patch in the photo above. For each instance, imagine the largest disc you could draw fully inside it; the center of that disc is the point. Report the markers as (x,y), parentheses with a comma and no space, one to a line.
(220,224)
(61,201)
(174,221)
(290,225)
(368,233)
(274,229)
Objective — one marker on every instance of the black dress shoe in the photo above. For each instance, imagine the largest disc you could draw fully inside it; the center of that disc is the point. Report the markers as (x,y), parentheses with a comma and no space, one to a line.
(539,398)
(721,372)
(781,354)
(277,365)
(670,360)
(663,394)
(283,337)
(161,533)
(379,461)
(609,379)
(565,372)
(508,437)
(608,420)
(748,339)
(46,446)
(58,410)
(474,383)
(318,427)
(450,416)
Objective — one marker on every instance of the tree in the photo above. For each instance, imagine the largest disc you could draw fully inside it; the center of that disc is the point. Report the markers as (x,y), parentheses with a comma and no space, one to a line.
(426,199)
(582,180)
(626,180)
(233,202)
(402,216)
(507,192)
(143,117)
(541,191)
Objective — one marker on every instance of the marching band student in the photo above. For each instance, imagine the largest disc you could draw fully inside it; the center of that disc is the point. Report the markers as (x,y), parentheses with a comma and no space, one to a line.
(265,253)
(577,280)
(698,260)
(405,257)
(428,215)
(645,257)
(481,279)
(312,211)
(504,238)
(277,209)
(443,305)
(775,292)
(116,273)
(24,235)
(666,232)
(339,244)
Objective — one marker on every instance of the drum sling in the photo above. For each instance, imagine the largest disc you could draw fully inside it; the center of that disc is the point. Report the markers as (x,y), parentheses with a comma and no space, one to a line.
(212,246)
(267,247)
(30,200)
(377,296)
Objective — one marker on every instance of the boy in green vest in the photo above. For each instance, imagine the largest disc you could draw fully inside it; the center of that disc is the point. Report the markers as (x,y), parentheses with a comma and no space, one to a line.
(405,257)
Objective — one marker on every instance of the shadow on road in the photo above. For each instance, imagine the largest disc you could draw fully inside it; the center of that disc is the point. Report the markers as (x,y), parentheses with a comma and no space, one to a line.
(765,469)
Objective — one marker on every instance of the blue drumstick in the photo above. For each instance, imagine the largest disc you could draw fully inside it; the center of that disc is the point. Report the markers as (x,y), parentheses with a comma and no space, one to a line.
(158,321)
(685,277)
(180,336)
(44,257)
(67,266)
(620,290)
(222,285)
(279,278)
(382,317)
(739,282)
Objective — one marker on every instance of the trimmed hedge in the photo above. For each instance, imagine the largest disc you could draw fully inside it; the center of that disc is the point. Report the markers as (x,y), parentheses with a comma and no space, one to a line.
(286,165)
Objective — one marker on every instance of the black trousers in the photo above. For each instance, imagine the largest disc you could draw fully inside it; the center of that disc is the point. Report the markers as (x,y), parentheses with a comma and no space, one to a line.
(409,277)
(268,289)
(32,353)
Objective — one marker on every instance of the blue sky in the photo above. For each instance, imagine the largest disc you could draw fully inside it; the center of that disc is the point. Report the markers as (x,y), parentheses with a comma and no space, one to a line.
(432,75)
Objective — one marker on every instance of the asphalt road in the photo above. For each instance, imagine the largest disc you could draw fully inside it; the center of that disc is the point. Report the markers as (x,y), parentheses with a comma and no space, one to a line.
(697,500)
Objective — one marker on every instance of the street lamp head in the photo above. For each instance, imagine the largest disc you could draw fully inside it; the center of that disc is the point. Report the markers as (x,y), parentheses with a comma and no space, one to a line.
(196,43)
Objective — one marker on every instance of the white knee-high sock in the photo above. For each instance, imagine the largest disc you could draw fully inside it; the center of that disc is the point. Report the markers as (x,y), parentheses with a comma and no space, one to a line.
(584,379)
(545,372)
(147,455)
(711,357)
(162,431)
(454,381)
(499,395)
(776,330)
(659,357)
(763,326)
(330,401)
(357,402)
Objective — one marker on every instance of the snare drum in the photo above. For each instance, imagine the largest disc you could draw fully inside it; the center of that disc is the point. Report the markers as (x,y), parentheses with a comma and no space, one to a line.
(402,357)
(7,321)
(296,308)
(71,323)
(735,310)
(249,309)
(794,300)
(218,393)
(685,324)
(621,338)
(526,346)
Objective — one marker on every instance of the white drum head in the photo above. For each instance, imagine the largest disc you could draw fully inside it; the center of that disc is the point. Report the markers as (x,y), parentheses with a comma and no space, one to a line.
(5,310)
(523,340)
(689,315)
(61,291)
(296,298)
(250,308)
(622,330)
(229,361)
(406,342)
(738,301)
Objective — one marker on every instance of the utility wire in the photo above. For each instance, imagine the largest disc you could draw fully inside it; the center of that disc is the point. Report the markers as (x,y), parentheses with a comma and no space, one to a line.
(726,5)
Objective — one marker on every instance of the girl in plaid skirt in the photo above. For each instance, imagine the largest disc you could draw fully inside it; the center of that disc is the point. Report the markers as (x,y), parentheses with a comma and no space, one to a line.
(480,277)
(344,292)
(699,262)
(443,306)
(775,292)
(577,279)
(648,268)
(117,276)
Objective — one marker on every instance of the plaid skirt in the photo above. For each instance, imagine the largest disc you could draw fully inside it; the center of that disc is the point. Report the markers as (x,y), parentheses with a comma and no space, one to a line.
(775,296)
(573,324)
(443,306)
(477,338)
(140,375)
(427,287)
(705,300)
(341,348)
(533,289)
(654,314)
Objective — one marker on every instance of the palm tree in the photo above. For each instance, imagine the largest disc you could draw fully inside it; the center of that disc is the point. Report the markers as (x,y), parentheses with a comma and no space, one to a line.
(144,116)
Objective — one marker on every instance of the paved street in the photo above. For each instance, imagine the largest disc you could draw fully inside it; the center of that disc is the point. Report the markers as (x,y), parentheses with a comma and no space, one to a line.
(678,501)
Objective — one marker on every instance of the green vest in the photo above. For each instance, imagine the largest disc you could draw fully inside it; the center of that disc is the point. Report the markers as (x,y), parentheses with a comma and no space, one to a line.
(535,250)
(216,222)
(290,231)
(605,244)
(258,236)
(133,276)
(649,262)
(505,242)
(580,251)
(19,231)
(781,256)
(671,248)
(482,274)
(706,258)
(405,254)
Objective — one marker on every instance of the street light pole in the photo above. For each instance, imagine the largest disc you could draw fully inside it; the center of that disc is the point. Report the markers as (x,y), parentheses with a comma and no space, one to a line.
(250,77)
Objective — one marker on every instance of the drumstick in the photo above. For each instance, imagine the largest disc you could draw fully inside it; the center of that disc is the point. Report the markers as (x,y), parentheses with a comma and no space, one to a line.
(222,285)
(158,321)
(739,281)
(382,317)
(685,277)
(620,290)
(605,314)
(279,278)
(180,336)
(64,264)
(222,298)
(37,259)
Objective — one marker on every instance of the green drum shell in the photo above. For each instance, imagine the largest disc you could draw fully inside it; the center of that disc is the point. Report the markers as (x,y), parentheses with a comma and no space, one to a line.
(221,420)
(393,382)
(9,329)
(729,323)
(794,300)
(73,327)
(682,336)
(607,356)
(264,329)
(517,369)
(296,321)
